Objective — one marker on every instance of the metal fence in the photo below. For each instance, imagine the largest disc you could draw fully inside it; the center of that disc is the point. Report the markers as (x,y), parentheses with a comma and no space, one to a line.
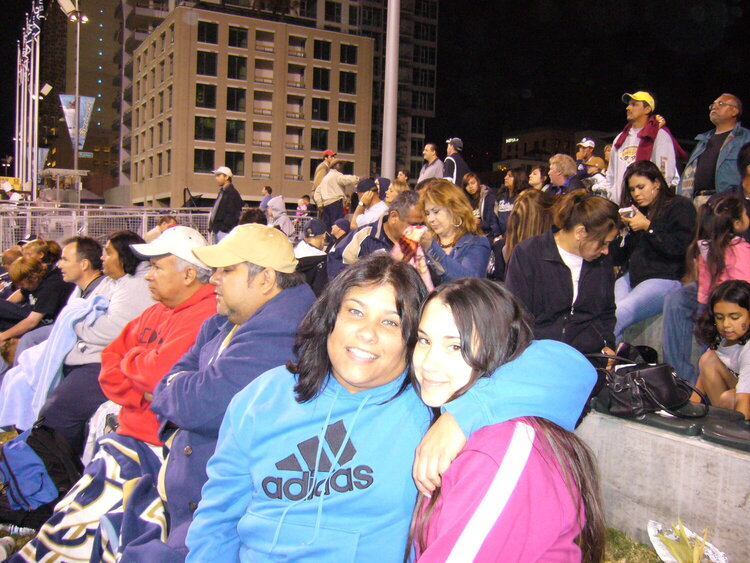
(60,221)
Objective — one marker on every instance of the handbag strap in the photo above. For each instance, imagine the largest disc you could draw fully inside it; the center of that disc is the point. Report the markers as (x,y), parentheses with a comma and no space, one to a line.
(601,356)
(704,400)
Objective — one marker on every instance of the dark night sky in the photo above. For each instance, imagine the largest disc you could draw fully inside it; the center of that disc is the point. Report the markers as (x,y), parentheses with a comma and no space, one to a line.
(505,65)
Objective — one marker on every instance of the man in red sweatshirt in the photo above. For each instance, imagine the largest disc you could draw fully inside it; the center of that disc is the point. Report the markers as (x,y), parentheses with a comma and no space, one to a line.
(132,365)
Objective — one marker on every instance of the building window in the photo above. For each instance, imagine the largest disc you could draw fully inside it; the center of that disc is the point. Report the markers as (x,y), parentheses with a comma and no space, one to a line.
(424,55)
(333,12)
(235,161)
(159,164)
(169,129)
(346,142)
(349,54)
(320,109)
(425,31)
(347,112)
(321,79)
(423,77)
(208,32)
(372,17)
(161,132)
(161,102)
(168,163)
(353,15)
(426,8)
(236,99)
(205,128)
(423,101)
(203,161)
(238,37)
(322,50)
(319,139)
(206,63)
(205,95)
(348,82)
(418,125)
(237,67)
(235,131)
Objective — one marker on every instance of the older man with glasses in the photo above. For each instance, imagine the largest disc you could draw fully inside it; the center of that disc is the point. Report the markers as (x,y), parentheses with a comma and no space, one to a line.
(713,164)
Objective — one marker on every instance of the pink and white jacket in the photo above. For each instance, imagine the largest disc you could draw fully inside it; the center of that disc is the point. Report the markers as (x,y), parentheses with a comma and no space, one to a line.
(504,500)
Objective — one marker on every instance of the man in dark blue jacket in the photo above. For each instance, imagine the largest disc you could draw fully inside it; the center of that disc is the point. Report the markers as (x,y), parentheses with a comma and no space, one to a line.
(260,300)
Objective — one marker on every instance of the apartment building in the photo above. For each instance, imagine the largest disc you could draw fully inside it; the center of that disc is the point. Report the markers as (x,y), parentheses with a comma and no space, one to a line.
(265,98)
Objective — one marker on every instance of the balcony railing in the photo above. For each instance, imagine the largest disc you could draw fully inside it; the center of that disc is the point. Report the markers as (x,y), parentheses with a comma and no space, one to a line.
(295,114)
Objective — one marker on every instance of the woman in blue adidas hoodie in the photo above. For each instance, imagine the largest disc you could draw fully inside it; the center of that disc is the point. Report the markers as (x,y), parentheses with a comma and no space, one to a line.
(317,466)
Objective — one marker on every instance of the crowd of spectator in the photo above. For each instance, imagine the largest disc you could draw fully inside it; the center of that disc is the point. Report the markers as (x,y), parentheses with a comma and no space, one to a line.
(308,399)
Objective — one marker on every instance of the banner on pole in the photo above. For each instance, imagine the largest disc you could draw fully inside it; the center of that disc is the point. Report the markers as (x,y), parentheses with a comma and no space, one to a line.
(68,102)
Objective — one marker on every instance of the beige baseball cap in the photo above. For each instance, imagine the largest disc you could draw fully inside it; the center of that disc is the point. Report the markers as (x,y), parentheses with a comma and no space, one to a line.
(178,240)
(258,244)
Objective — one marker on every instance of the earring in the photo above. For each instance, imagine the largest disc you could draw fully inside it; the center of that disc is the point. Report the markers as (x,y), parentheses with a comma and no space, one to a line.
(460,222)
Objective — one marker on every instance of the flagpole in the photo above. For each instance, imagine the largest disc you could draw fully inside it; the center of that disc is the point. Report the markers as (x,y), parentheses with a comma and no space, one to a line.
(17,136)
(35,153)
(24,116)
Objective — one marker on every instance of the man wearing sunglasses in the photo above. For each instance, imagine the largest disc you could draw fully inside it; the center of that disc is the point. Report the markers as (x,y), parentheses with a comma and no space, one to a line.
(713,164)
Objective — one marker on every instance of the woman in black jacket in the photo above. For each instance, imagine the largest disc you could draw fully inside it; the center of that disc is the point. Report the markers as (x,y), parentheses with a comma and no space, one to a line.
(482,200)
(565,278)
(652,253)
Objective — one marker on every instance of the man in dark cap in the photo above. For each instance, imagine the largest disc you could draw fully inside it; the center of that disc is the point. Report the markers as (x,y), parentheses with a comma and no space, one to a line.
(455,167)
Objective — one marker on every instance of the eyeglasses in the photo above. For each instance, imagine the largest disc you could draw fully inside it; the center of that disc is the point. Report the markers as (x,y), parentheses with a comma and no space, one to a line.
(721,105)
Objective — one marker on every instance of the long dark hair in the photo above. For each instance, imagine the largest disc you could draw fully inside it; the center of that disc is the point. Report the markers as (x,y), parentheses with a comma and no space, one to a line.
(520,183)
(312,365)
(598,215)
(495,329)
(733,291)
(716,228)
(474,199)
(648,170)
(121,241)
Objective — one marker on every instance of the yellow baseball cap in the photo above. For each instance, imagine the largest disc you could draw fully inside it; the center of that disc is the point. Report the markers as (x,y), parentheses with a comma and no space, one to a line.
(259,244)
(640,96)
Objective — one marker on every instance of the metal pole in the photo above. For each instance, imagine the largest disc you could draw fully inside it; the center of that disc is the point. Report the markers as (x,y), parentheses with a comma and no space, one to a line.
(77,129)
(17,139)
(390,98)
(35,123)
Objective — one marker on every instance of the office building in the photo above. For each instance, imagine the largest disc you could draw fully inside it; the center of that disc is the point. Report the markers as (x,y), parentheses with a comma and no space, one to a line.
(265,98)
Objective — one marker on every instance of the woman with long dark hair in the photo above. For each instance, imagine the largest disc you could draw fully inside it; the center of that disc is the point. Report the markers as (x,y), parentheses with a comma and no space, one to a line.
(482,201)
(652,255)
(511,475)
(515,181)
(314,458)
(565,277)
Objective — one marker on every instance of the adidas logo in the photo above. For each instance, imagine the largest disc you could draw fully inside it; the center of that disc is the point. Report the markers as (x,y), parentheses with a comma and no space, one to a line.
(333,450)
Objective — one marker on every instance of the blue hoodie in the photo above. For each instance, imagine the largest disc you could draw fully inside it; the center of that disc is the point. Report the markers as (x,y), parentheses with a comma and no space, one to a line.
(263,501)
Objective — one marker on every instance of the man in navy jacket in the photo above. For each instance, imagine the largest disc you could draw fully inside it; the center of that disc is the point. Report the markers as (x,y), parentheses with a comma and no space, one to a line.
(261,301)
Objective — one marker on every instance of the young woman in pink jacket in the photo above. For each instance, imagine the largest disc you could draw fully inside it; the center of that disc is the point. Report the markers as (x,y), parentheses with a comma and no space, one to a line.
(522,490)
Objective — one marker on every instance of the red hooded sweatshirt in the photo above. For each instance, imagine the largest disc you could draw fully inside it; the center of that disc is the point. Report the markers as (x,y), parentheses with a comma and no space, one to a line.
(143,353)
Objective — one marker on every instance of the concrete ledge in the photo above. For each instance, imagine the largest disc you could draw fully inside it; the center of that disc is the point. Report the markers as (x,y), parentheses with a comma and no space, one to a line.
(650,474)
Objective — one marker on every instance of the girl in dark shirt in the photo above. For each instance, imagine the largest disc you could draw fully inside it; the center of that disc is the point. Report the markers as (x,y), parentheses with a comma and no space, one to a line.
(660,227)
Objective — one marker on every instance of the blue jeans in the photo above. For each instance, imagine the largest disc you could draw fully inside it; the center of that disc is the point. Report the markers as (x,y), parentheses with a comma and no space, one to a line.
(641,302)
(681,308)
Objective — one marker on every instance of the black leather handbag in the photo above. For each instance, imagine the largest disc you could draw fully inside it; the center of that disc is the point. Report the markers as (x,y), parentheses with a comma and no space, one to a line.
(645,388)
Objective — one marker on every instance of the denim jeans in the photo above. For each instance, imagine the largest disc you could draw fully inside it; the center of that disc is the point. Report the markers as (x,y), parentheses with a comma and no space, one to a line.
(681,308)
(641,302)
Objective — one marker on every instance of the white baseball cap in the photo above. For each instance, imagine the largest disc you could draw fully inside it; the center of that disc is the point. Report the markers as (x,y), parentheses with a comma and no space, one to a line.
(223,170)
(178,240)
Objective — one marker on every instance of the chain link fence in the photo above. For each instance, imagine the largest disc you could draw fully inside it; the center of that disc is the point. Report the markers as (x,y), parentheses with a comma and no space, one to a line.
(26,221)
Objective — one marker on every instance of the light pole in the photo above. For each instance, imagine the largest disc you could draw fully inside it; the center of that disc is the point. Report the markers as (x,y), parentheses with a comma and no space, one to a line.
(77,17)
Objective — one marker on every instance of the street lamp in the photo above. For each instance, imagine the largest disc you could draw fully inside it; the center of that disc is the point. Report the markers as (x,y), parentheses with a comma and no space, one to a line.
(77,17)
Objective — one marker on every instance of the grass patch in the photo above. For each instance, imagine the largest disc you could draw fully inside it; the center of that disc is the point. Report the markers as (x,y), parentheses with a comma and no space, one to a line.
(621,548)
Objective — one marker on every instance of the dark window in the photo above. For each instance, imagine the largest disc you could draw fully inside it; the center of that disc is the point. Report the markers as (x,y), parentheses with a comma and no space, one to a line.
(313,165)
(321,79)
(353,15)
(208,32)
(372,16)
(236,99)
(320,109)
(238,37)
(333,12)
(237,67)
(422,100)
(425,8)
(203,160)
(205,128)
(348,82)
(423,77)
(322,50)
(206,63)
(235,131)
(425,31)
(349,54)
(424,55)
(346,142)
(205,95)
(236,162)
(319,139)
(347,112)
(418,125)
